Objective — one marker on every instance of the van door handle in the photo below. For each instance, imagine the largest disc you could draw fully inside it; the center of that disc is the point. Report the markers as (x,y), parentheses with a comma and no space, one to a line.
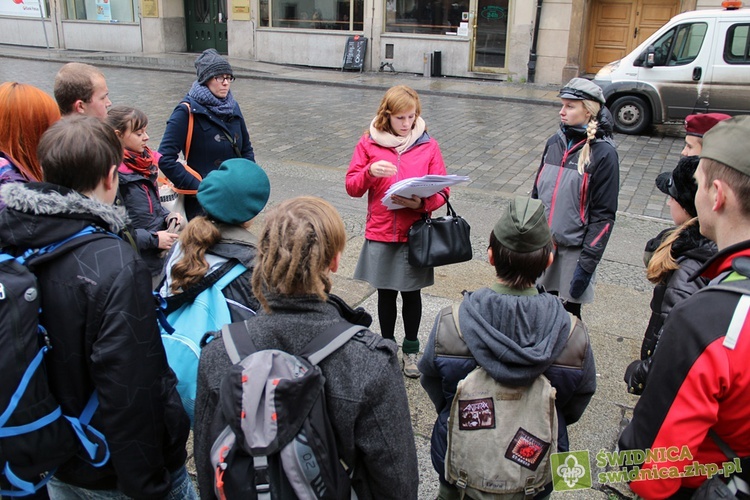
(697,73)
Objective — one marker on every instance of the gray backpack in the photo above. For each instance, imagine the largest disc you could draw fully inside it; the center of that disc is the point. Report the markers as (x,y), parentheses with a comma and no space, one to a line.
(278,442)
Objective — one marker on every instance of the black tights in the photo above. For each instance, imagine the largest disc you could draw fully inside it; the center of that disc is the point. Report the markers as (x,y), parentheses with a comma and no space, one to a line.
(411,311)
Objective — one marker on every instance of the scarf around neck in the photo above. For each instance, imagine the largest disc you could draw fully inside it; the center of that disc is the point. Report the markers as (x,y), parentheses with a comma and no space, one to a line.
(400,144)
(223,108)
(141,163)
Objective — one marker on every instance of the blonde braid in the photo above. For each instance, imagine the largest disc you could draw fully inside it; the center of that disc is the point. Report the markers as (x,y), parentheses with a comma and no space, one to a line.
(584,158)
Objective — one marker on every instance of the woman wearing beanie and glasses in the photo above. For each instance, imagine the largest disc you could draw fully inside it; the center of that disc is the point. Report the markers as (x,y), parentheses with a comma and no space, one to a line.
(680,252)
(578,182)
(219,130)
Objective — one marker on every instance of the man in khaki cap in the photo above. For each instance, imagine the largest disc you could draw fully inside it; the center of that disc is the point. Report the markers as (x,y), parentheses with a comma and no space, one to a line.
(698,392)
(516,334)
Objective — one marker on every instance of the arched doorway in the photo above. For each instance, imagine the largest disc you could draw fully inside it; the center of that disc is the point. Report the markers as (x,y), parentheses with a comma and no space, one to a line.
(616,27)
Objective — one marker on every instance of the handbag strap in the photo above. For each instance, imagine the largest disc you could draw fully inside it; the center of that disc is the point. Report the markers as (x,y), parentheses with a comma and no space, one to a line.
(188,140)
(450,212)
(233,143)
(189,137)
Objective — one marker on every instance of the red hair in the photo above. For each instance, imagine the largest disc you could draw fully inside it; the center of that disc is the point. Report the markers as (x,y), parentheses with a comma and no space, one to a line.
(25,113)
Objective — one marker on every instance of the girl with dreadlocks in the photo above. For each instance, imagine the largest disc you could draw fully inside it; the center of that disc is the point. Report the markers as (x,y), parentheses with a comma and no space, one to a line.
(138,190)
(578,181)
(299,247)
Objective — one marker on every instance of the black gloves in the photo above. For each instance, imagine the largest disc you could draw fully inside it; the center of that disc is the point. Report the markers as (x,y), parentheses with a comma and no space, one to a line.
(580,282)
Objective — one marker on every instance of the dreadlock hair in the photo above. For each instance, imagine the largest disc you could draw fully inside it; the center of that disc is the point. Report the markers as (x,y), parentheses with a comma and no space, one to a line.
(396,99)
(199,235)
(300,239)
(662,262)
(584,158)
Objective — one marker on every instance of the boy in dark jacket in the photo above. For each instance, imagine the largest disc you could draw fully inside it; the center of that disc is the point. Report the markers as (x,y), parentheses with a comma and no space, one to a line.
(97,307)
(511,330)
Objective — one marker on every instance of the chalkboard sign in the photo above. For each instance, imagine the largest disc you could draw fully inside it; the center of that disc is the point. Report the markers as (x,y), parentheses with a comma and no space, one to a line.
(354,53)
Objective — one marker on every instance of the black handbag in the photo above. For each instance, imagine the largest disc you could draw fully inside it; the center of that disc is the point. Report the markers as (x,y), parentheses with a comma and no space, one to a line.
(440,241)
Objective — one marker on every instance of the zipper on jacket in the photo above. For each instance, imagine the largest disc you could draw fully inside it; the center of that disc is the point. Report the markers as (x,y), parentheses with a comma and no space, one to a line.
(557,181)
(584,193)
(148,197)
(394,233)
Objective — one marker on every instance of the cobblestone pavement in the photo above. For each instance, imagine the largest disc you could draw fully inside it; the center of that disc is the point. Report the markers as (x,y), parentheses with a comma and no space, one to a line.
(498,144)
(303,136)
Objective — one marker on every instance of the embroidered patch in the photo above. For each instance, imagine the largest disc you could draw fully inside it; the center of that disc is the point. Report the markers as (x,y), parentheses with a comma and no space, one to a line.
(474,414)
(526,449)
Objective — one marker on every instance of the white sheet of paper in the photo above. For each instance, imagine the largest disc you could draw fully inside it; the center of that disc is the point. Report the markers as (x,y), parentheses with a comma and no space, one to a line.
(420,186)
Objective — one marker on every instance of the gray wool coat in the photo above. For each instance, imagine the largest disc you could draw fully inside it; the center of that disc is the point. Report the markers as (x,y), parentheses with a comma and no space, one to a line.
(365,396)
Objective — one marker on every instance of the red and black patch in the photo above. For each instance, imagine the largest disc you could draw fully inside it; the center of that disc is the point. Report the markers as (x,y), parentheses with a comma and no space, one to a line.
(526,449)
(475,414)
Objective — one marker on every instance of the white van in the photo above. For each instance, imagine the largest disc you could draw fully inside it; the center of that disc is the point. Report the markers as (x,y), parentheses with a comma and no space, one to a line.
(698,62)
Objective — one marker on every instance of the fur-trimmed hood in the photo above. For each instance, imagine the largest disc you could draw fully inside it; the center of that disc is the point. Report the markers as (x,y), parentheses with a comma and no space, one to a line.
(40,213)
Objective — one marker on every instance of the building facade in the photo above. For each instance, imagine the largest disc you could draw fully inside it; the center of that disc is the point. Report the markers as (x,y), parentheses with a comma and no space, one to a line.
(545,41)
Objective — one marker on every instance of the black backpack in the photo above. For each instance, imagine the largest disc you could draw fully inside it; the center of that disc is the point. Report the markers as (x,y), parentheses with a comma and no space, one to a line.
(35,436)
(277,441)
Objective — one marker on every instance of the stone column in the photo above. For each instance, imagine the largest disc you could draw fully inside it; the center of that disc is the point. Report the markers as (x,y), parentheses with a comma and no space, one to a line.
(572,67)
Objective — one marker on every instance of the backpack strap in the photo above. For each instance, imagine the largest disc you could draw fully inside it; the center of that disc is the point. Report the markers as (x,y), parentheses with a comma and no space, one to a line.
(239,344)
(221,277)
(237,341)
(326,343)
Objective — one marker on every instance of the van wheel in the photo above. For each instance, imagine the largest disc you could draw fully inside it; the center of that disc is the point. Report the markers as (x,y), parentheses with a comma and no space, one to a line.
(632,115)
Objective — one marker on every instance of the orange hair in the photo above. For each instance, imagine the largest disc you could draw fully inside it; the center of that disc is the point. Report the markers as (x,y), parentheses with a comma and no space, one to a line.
(25,113)
(396,100)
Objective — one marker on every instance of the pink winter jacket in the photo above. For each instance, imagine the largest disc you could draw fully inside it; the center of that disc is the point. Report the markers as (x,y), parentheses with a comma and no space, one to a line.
(392,226)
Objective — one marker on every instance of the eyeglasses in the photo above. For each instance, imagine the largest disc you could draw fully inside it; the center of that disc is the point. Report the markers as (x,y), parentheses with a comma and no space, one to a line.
(224,78)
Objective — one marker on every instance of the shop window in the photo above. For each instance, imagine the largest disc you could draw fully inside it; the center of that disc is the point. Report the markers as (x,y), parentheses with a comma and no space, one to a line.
(345,15)
(110,11)
(436,17)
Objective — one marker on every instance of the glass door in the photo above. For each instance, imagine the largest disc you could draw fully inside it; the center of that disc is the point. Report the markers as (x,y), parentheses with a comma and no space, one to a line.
(490,35)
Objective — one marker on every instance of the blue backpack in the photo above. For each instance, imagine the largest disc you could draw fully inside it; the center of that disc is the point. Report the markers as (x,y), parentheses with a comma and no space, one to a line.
(186,317)
(35,436)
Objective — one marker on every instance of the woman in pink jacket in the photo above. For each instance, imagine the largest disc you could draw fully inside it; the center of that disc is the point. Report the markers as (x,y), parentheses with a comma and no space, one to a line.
(396,147)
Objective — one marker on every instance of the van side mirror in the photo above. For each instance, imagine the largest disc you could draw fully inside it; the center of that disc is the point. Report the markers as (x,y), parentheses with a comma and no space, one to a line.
(649,56)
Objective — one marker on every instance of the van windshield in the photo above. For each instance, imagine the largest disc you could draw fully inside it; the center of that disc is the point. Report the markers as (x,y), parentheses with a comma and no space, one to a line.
(680,45)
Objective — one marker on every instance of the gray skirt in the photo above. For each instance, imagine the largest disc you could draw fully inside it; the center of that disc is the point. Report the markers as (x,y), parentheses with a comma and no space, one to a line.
(386,265)
(557,277)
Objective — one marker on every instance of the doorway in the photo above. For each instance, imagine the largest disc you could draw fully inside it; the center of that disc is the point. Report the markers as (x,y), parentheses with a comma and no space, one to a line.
(490,36)
(616,27)
(206,28)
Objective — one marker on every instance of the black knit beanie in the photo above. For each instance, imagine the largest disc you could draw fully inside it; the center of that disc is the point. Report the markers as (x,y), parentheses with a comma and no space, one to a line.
(210,64)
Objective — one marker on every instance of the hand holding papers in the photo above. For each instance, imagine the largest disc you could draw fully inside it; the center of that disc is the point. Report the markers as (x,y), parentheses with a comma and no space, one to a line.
(420,186)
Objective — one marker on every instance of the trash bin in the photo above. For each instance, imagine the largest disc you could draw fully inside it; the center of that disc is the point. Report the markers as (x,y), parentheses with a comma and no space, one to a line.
(427,71)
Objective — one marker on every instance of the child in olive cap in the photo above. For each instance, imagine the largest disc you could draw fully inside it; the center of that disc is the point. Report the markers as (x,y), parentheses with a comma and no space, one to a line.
(513,331)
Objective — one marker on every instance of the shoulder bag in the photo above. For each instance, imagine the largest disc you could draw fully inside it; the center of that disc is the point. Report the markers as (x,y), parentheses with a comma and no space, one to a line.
(440,241)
